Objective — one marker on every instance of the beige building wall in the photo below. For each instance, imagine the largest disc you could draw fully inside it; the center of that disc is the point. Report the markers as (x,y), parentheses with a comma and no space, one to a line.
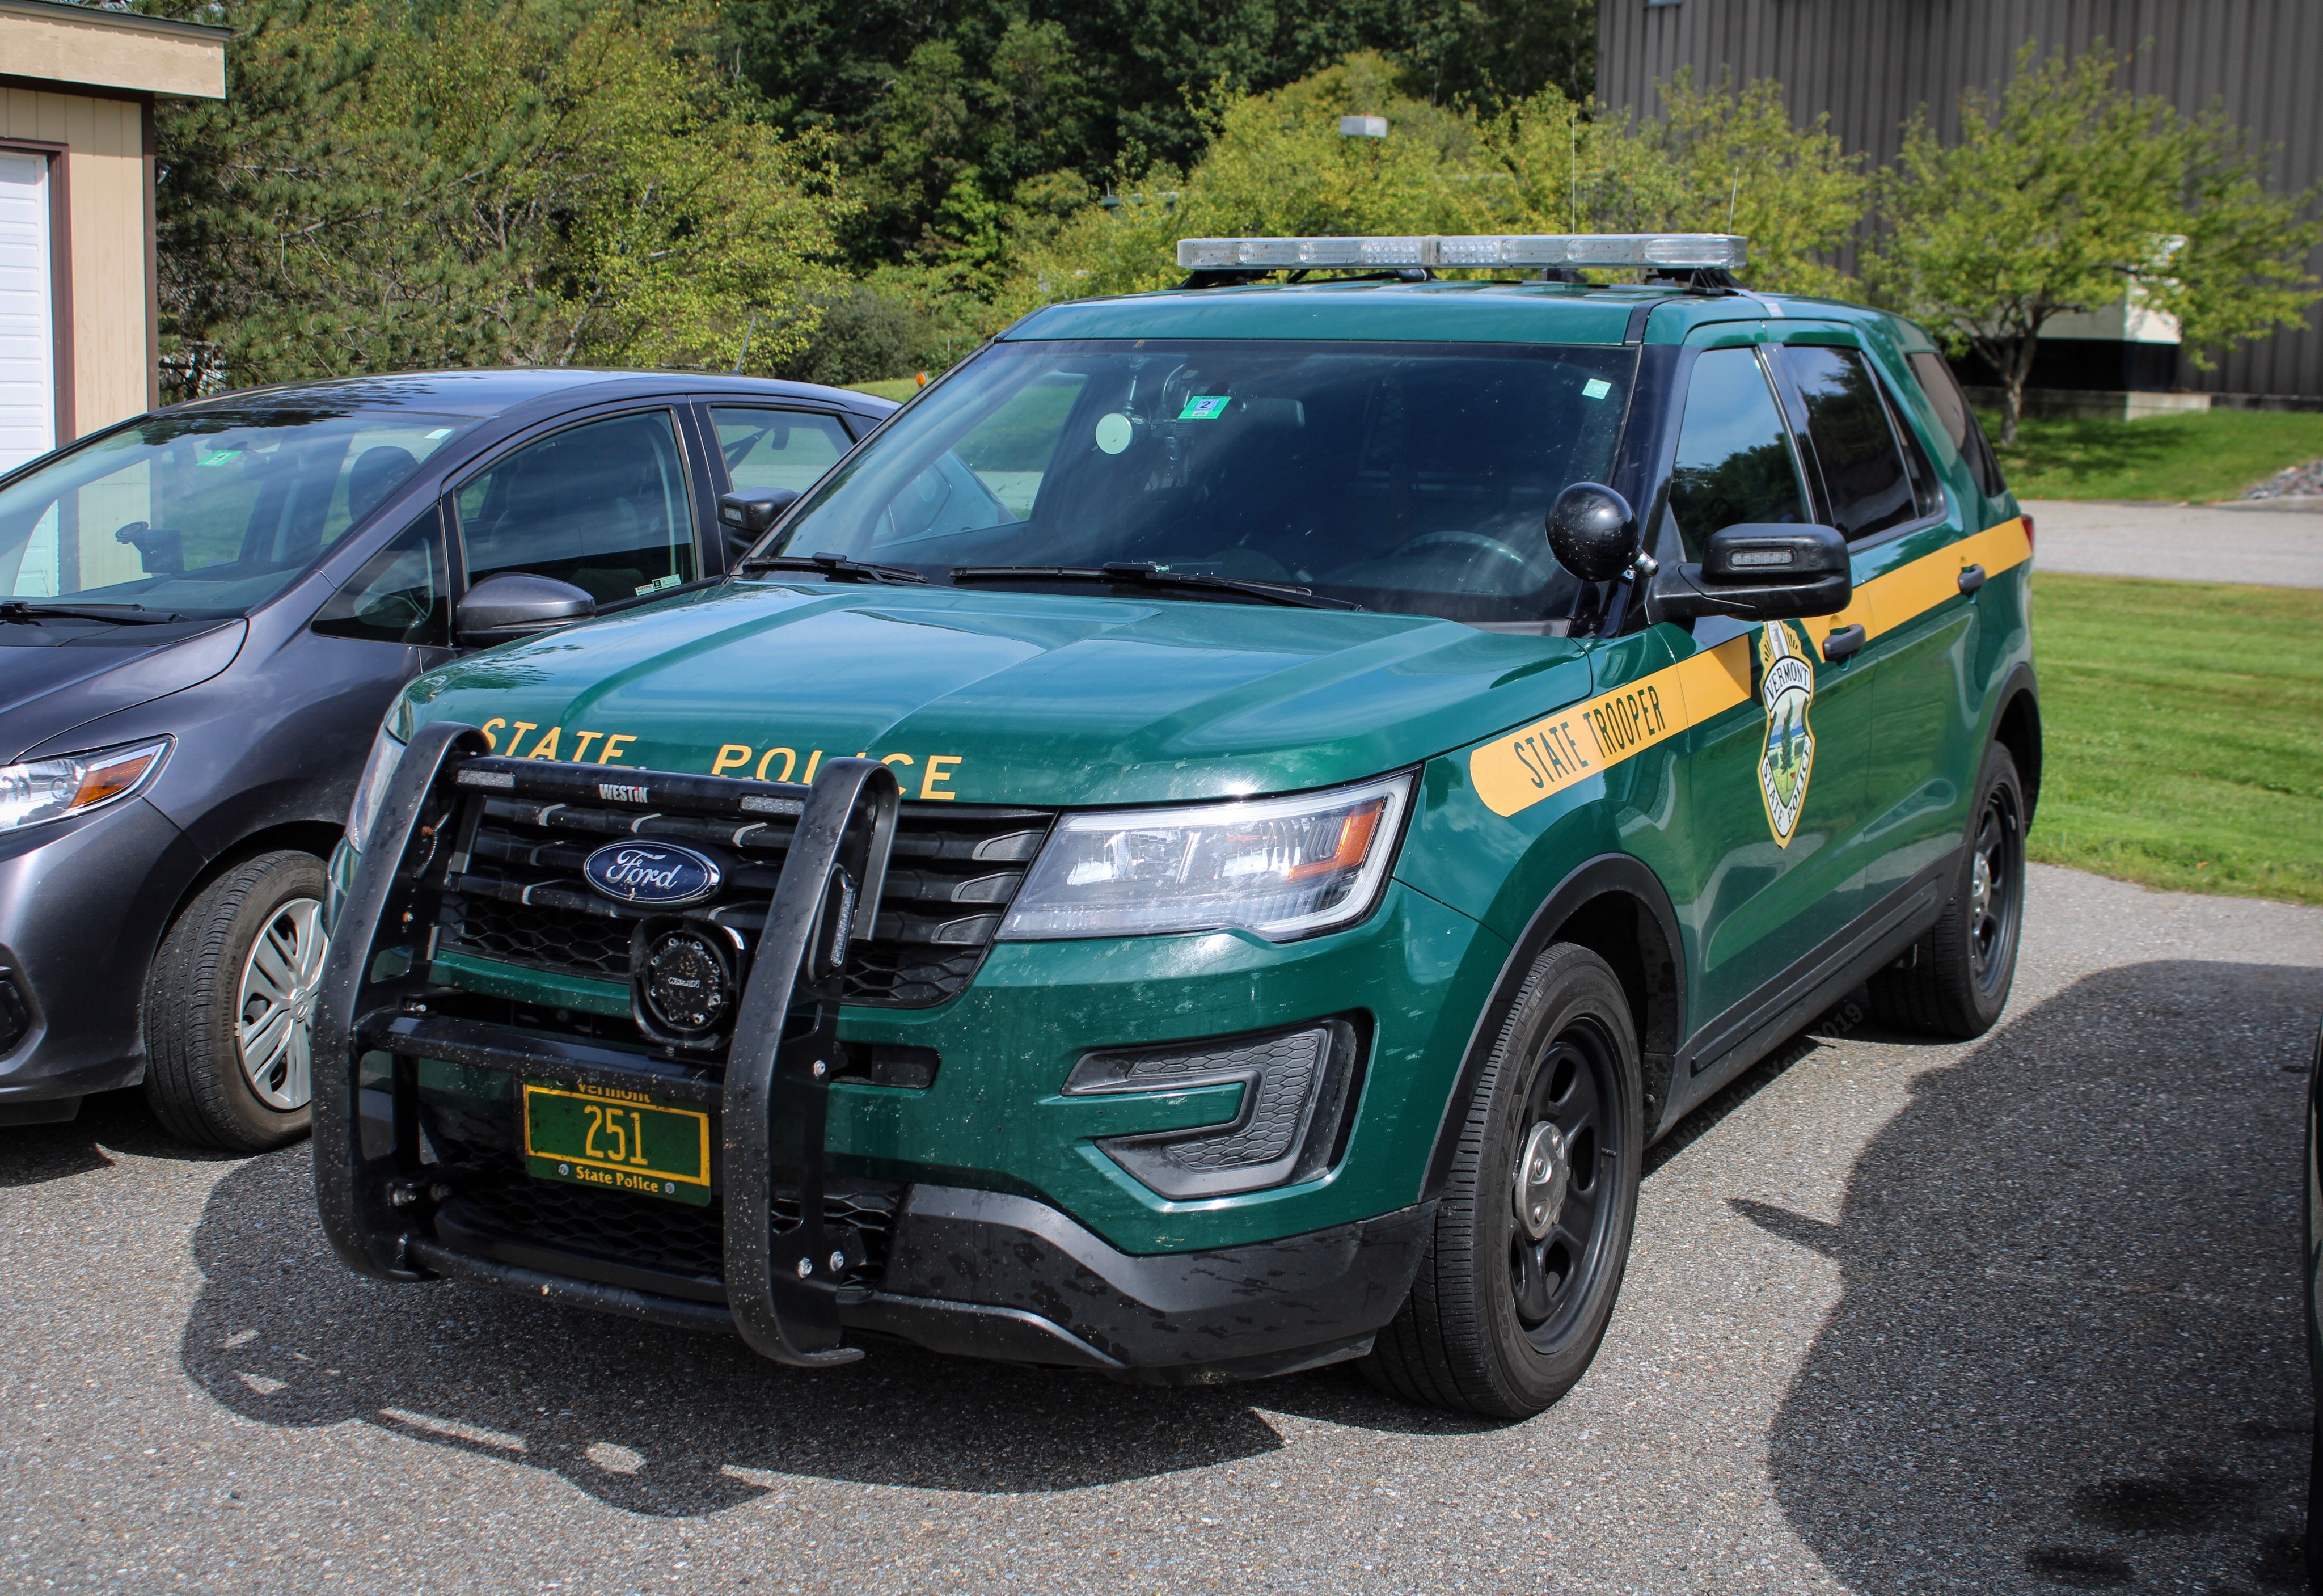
(77,84)
(111,50)
(112,297)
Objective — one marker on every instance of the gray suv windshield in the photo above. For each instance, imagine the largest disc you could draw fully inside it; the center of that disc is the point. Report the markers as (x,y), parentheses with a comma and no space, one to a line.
(205,512)
(1410,477)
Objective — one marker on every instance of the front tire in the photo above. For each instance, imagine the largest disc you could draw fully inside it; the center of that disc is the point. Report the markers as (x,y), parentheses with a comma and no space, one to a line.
(229,1007)
(1532,1235)
(1958,978)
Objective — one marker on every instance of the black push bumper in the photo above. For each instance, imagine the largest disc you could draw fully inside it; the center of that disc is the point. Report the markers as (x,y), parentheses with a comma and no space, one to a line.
(970,1272)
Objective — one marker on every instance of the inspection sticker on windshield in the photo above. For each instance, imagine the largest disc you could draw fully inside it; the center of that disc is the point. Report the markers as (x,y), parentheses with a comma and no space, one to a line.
(221,457)
(1206,406)
(1595,388)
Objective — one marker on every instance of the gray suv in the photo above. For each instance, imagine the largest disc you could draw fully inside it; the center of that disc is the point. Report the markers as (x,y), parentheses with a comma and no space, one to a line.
(204,611)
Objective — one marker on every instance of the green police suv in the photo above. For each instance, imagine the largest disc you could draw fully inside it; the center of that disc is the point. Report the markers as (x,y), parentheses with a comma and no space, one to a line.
(1212,841)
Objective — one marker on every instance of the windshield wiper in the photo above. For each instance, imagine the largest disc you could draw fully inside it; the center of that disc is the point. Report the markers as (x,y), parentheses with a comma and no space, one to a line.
(1136,574)
(839,567)
(24,614)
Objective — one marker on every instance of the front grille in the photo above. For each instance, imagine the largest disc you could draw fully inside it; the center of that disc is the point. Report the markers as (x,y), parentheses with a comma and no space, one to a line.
(521,898)
(519,933)
(496,1197)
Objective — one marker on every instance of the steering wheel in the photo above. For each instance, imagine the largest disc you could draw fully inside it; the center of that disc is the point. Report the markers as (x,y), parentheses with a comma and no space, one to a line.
(1478,542)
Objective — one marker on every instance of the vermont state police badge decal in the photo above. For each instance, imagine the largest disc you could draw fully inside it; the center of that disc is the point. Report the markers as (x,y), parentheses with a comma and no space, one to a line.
(1787,687)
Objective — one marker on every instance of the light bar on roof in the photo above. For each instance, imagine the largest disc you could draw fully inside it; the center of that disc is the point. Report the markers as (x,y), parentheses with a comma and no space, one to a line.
(1673,250)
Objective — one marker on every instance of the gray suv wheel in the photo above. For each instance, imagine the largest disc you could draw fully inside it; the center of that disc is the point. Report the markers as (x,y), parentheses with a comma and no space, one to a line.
(229,1006)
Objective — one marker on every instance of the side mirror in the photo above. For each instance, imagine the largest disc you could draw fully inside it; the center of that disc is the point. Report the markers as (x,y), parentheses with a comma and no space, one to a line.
(746,516)
(1592,532)
(1760,573)
(517,604)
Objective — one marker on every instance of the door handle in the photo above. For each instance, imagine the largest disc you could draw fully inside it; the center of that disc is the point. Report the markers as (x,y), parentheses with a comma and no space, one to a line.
(1972,577)
(1842,643)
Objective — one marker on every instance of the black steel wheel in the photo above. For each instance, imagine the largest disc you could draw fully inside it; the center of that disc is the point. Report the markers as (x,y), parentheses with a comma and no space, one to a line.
(1532,1232)
(1558,1188)
(1955,981)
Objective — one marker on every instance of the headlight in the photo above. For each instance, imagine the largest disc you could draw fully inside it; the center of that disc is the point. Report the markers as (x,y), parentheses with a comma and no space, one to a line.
(74,784)
(370,787)
(1283,868)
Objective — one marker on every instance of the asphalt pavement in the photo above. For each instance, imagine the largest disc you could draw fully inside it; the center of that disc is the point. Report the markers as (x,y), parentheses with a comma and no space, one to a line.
(2017,1315)
(2273,543)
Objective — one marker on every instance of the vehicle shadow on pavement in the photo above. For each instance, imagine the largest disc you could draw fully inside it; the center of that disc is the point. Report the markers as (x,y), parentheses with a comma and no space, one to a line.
(32,1154)
(648,1421)
(2069,1350)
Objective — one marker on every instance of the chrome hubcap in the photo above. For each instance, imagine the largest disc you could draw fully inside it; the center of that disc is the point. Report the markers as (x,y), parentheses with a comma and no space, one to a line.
(1979,889)
(1544,1176)
(274,1020)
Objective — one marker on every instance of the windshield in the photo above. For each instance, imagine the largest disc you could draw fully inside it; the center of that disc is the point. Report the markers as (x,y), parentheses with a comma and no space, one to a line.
(206,512)
(1411,477)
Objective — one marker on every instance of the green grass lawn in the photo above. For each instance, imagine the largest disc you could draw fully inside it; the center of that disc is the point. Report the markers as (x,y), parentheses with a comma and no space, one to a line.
(898,389)
(2183,724)
(2177,459)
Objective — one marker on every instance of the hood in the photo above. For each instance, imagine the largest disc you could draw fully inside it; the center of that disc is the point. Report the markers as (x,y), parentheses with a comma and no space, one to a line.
(59,674)
(1007,698)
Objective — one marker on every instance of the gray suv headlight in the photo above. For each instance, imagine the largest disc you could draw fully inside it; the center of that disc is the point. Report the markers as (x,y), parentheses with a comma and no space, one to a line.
(41,790)
(1283,867)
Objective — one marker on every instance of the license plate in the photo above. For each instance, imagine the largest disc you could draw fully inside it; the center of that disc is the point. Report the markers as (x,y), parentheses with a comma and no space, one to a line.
(616,1140)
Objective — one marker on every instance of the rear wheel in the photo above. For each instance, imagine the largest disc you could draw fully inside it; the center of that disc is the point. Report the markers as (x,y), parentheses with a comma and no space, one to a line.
(229,1006)
(1957,979)
(1533,1231)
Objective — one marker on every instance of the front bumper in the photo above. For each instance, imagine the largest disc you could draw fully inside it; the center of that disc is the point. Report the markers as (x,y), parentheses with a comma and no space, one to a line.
(82,907)
(985,1274)
(977,1217)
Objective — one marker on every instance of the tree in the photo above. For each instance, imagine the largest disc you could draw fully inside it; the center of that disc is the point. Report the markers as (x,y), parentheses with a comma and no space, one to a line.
(1723,160)
(920,92)
(528,182)
(1733,161)
(226,171)
(2067,193)
(1276,166)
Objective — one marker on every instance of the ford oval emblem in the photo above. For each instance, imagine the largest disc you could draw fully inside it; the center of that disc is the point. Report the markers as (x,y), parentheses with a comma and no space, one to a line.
(651,873)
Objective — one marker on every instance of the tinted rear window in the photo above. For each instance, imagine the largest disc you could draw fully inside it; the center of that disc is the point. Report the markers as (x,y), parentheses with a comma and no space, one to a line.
(1863,471)
(1960,424)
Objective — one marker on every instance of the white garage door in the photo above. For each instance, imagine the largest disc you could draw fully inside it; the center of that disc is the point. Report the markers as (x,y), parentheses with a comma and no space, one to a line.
(28,391)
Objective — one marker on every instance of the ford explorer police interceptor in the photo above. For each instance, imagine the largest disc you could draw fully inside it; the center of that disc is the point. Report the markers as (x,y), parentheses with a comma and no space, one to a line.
(1210,844)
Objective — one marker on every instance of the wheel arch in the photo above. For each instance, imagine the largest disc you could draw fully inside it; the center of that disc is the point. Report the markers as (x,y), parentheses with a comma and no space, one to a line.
(2017,727)
(313,837)
(1615,906)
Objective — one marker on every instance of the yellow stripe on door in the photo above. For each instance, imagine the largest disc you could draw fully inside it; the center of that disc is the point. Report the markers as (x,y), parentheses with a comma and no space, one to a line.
(1893,597)
(1517,770)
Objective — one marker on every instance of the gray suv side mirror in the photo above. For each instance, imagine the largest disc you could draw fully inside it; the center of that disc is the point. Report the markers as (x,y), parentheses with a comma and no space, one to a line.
(1759,572)
(517,604)
(745,517)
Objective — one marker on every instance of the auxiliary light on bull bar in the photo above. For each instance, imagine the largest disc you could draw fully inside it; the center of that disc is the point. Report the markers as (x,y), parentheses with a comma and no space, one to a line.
(1680,250)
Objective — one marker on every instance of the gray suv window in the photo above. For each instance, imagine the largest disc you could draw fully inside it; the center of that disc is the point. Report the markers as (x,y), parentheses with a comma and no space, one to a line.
(777,449)
(403,594)
(602,506)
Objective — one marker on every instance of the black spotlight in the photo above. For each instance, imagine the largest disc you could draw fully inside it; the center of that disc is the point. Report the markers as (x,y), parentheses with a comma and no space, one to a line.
(681,980)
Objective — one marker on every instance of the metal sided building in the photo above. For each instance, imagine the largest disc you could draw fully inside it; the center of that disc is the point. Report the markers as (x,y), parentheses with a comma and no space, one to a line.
(1871,63)
(78,318)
